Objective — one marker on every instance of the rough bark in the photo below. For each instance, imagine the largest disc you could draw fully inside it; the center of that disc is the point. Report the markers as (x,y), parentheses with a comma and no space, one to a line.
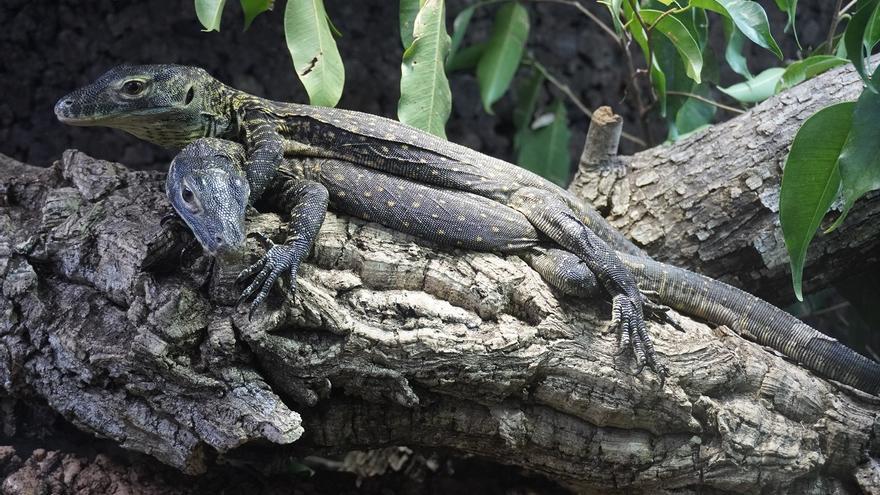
(710,202)
(109,320)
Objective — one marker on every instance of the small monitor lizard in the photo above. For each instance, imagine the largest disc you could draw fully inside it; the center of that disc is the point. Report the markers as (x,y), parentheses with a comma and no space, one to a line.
(207,187)
(171,105)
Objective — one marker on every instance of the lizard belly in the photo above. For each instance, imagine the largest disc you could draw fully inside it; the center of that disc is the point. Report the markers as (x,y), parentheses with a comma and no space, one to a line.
(446,216)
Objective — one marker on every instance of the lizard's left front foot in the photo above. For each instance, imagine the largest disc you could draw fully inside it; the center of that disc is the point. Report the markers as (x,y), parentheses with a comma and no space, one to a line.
(278,259)
(628,319)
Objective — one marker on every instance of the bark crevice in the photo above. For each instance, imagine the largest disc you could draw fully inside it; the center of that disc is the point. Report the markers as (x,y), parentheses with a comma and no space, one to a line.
(387,342)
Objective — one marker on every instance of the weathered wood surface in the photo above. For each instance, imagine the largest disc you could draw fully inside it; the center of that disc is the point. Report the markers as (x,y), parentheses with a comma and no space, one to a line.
(710,202)
(387,342)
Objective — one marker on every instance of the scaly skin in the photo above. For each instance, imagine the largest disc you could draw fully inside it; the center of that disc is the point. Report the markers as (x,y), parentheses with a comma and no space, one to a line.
(473,222)
(170,105)
(448,217)
(716,302)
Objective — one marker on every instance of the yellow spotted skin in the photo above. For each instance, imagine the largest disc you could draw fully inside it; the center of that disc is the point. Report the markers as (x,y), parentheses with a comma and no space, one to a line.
(381,170)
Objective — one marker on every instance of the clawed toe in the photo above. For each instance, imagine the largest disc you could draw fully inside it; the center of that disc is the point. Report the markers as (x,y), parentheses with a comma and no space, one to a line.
(265,273)
(633,335)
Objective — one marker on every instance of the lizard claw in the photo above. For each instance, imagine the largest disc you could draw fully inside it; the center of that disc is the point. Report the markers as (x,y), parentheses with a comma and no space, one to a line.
(632,333)
(265,272)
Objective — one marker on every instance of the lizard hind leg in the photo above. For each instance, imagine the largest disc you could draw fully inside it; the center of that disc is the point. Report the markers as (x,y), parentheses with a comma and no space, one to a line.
(552,217)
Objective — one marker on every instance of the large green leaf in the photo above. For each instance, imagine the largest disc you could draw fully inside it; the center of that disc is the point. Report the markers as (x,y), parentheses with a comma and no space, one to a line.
(790,8)
(313,49)
(545,150)
(466,58)
(733,50)
(810,181)
(409,9)
(425,98)
(681,38)
(807,68)
(499,62)
(253,8)
(854,38)
(749,18)
(209,13)
(872,31)
(459,28)
(757,89)
(860,158)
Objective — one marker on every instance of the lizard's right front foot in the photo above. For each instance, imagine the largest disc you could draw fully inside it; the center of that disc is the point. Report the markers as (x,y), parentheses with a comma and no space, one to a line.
(278,259)
(628,319)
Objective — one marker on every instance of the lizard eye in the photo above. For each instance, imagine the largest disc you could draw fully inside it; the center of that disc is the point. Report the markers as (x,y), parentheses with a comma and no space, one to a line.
(187,195)
(133,87)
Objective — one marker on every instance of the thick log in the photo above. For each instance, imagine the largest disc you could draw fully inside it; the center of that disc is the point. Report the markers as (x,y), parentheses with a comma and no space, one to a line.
(110,321)
(710,202)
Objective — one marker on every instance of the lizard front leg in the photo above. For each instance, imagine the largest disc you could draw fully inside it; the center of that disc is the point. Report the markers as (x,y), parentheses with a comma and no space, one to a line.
(555,219)
(309,205)
(265,150)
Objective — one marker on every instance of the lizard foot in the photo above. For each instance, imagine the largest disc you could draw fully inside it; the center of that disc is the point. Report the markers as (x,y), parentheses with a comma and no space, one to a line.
(627,318)
(660,312)
(266,271)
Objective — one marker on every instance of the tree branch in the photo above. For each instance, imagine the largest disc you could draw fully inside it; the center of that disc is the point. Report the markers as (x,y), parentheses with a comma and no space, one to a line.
(387,342)
(710,202)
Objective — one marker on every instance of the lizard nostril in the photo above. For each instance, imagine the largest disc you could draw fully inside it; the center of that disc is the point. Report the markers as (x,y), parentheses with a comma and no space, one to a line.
(219,240)
(67,103)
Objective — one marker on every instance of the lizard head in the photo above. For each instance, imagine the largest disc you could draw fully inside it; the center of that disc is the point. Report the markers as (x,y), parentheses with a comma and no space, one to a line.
(209,190)
(166,104)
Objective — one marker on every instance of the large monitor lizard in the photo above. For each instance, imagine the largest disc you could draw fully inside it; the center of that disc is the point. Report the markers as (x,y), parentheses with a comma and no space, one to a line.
(172,105)
(207,187)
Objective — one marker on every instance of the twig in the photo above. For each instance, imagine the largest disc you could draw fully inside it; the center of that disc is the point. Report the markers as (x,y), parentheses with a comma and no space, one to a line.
(841,12)
(586,12)
(835,19)
(574,99)
(706,100)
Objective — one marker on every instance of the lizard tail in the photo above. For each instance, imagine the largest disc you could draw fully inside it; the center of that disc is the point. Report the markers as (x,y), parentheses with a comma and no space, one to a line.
(757,319)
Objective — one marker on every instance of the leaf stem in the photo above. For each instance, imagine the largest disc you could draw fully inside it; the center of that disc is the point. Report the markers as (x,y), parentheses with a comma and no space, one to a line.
(593,17)
(835,19)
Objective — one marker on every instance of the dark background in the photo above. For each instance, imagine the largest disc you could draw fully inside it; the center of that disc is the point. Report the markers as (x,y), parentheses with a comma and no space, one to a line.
(48,48)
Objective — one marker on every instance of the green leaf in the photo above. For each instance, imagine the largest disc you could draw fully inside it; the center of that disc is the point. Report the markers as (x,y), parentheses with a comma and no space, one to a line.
(680,37)
(459,28)
(313,49)
(872,31)
(693,115)
(409,9)
(614,9)
(860,158)
(253,8)
(749,18)
(545,150)
(790,8)
(209,13)
(466,58)
(503,53)
(854,38)
(807,68)
(733,51)
(527,97)
(425,98)
(810,181)
(758,89)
